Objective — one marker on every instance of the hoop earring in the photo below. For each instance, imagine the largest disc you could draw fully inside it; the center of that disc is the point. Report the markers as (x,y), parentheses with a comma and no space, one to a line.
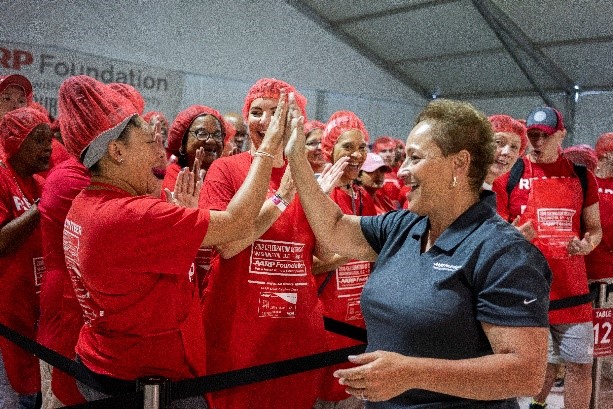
(454,183)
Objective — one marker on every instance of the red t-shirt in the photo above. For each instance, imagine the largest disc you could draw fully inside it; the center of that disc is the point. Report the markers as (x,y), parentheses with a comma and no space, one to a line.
(600,261)
(391,186)
(260,306)
(60,313)
(129,265)
(340,296)
(563,200)
(21,272)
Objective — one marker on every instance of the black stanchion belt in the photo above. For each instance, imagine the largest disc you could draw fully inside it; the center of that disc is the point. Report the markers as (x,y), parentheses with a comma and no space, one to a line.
(198,386)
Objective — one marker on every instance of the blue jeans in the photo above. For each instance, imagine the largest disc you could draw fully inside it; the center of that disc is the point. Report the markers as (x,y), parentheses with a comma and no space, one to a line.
(9,399)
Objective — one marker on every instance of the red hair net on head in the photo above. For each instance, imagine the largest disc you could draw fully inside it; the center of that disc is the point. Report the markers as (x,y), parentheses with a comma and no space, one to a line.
(91,115)
(604,144)
(147,117)
(15,128)
(506,123)
(184,120)
(309,126)
(271,88)
(582,155)
(340,122)
(20,81)
(131,93)
(381,142)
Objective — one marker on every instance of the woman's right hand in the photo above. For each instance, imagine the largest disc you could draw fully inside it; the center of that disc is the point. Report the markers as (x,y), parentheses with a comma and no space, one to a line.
(331,174)
(273,139)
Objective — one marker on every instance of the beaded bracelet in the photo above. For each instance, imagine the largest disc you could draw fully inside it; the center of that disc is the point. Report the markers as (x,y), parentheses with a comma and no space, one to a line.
(264,154)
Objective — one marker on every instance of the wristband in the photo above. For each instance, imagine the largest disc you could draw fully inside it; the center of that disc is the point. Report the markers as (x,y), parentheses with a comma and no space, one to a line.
(279,202)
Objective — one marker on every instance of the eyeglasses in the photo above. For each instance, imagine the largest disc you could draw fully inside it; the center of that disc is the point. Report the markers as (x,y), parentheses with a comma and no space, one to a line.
(203,135)
(313,144)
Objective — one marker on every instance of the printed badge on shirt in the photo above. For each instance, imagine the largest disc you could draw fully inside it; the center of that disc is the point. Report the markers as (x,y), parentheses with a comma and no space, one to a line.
(272,257)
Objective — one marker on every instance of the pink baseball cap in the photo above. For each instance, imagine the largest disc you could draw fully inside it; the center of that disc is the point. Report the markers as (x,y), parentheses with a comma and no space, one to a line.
(374,162)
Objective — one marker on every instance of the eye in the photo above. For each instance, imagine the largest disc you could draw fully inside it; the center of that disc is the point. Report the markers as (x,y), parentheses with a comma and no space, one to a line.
(256,113)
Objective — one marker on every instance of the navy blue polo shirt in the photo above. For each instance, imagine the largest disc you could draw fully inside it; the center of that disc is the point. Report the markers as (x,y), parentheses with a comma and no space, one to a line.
(431,304)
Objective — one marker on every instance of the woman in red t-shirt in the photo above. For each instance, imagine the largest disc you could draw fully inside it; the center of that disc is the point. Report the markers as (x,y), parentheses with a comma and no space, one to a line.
(340,285)
(260,305)
(130,263)
(25,141)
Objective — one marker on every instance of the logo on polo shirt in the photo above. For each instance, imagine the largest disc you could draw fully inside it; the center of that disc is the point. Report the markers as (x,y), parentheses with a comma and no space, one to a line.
(445,267)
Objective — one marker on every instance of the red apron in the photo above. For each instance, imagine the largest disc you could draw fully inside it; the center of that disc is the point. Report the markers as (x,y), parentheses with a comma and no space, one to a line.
(554,206)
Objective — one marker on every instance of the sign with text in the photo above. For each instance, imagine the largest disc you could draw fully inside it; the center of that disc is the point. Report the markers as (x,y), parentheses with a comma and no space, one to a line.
(47,67)
(603,334)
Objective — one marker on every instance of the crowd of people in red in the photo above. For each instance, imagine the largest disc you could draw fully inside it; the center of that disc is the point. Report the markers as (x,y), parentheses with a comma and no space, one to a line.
(141,246)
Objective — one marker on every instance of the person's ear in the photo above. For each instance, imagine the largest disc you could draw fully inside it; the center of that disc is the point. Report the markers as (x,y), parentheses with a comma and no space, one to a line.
(461,162)
(117,151)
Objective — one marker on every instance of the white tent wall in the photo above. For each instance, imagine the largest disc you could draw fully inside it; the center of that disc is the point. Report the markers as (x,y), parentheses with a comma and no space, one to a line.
(223,47)
(220,48)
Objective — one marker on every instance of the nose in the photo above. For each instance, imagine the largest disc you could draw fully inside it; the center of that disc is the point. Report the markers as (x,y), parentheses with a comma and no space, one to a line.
(403,171)
(506,150)
(265,119)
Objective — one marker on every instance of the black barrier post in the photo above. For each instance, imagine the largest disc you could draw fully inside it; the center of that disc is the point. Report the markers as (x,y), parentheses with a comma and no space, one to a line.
(156,391)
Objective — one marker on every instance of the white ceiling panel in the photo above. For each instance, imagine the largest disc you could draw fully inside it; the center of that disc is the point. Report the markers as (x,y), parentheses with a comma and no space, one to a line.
(348,9)
(447,28)
(490,73)
(558,20)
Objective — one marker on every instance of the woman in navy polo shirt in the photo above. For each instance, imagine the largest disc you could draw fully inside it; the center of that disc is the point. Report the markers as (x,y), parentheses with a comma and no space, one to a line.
(456,305)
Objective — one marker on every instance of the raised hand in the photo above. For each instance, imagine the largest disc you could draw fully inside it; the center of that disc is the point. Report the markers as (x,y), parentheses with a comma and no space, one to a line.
(331,174)
(275,133)
(187,187)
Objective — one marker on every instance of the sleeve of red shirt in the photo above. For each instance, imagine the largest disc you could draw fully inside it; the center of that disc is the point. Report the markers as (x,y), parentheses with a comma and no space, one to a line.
(502,199)
(218,189)
(591,196)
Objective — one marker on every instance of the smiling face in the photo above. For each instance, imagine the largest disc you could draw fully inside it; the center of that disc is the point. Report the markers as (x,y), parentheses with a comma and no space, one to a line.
(313,149)
(427,172)
(508,145)
(351,143)
(260,114)
(144,158)
(204,132)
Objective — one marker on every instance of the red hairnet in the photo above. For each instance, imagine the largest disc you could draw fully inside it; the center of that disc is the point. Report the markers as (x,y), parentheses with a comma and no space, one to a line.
(20,81)
(91,115)
(147,117)
(131,93)
(340,122)
(505,123)
(271,88)
(309,126)
(582,155)
(15,128)
(604,144)
(381,142)
(184,120)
